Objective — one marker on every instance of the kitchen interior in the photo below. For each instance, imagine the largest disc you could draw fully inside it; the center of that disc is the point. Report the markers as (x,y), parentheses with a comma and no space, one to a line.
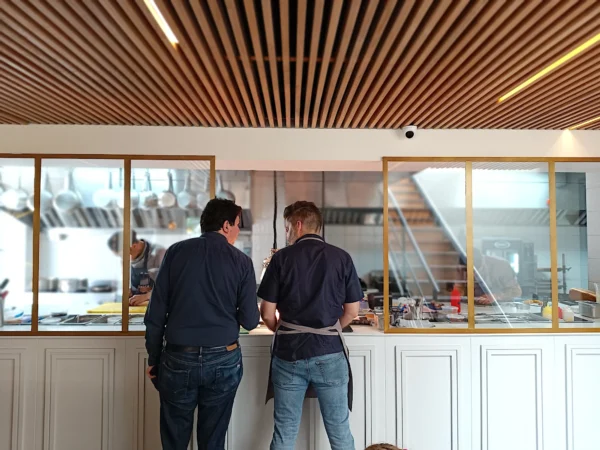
(82,201)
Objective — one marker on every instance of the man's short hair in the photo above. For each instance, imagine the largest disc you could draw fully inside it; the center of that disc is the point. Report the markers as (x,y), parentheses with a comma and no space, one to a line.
(305,212)
(217,212)
(115,242)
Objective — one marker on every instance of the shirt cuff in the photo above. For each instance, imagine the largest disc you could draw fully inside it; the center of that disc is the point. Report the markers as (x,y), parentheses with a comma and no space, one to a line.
(153,359)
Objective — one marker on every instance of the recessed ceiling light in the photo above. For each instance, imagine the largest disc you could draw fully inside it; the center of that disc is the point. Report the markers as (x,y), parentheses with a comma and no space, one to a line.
(160,20)
(583,124)
(572,54)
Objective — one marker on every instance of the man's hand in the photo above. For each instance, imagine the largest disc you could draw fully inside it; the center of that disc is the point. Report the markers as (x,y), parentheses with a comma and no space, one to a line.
(139,300)
(149,372)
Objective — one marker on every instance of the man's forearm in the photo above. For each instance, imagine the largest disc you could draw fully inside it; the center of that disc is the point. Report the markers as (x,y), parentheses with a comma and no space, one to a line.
(271,322)
(346,319)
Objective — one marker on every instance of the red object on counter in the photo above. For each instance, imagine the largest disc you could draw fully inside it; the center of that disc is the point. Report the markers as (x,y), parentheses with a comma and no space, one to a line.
(455,298)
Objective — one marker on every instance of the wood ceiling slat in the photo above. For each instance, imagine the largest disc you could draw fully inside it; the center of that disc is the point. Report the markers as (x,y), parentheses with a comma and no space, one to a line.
(200,52)
(284,19)
(360,40)
(45,82)
(317,20)
(348,30)
(386,61)
(240,41)
(491,80)
(403,93)
(366,58)
(258,52)
(76,78)
(95,37)
(300,33)
(61,42)
(247,113)
(197,112)
(222,29)
(284,63)
(271,46)
(334,19)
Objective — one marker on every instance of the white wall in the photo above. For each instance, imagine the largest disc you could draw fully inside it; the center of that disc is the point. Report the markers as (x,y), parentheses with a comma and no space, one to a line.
(258,149)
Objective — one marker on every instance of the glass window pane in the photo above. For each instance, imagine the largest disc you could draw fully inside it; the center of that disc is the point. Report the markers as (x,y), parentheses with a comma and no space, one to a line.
(511,240)
(16,243)
(578,237)
(167,201)
(80,276)
(427,236)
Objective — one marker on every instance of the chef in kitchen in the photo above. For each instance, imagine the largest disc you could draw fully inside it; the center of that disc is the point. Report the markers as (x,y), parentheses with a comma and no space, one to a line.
(145,262)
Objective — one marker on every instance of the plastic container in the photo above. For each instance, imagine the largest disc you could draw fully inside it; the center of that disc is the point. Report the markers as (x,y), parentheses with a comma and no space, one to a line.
(455,298)
(568,314)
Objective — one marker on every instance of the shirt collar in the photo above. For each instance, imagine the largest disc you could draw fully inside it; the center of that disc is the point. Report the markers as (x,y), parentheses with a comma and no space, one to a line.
(213,235)
(312,236)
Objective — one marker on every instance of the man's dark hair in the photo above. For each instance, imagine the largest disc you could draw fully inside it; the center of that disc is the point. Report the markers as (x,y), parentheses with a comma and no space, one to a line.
(217,212)
(305,212)
(115,242)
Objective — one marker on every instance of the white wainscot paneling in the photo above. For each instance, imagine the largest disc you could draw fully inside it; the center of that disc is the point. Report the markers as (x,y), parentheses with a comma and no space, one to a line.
(11,394)
(251,425)
(512,393)
(361,417)
(427,389)
(146,406)
(579,360)
(78,398)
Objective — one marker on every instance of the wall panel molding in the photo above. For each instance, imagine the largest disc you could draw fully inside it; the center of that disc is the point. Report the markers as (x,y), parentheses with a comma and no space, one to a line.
(12,396)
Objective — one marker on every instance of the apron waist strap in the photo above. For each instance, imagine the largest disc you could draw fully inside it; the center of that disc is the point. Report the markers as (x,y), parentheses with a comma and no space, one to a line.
(292,328)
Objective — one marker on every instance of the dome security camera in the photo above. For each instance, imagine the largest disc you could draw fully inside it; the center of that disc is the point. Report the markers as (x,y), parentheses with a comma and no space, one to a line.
(410,131)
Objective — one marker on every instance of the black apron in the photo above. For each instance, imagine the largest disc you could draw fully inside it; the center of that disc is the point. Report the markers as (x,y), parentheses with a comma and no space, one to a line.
(140,277)
(300,329)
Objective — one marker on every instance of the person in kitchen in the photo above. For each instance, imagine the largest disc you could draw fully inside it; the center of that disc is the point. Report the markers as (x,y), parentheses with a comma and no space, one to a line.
(205,291)
(497,273)
(146,259)
(316,290)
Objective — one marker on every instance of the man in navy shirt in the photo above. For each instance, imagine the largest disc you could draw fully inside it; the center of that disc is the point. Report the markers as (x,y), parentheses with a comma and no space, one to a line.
(205,290)
(316,290)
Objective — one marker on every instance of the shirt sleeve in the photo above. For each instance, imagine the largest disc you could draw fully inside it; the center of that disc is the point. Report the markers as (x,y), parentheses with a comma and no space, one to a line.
(269,285)
(354,292)
(248,315)
(156,315)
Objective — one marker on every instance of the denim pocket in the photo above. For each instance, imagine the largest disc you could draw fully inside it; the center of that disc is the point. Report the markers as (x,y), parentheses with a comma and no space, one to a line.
(228,375)
(334,370)
(283,372)
(173,381)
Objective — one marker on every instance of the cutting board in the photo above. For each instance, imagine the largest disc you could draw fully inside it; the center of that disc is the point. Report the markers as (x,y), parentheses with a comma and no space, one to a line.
(115,308)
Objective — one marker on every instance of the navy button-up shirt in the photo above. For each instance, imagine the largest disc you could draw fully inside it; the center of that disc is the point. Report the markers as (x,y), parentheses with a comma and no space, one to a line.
(204,291)
(310,281)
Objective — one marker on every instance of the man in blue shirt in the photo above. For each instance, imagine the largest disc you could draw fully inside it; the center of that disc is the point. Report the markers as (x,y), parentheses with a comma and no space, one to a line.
(205,290)
(316,290)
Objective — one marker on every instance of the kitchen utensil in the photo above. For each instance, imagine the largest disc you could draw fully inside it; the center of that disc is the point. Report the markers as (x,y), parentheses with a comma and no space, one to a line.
(45,197)
(4,284)
(168,199)
(106,198)
(68,199)
(203,197)
(185,199)
(582,294)
(590,309)
(15,199)
(48,284)
(134,194)
(222,193)
(148,199)
(69,285)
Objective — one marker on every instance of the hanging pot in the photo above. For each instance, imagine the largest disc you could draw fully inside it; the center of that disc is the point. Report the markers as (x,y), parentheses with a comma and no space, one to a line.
(186,199)
(134,195)
(68,199)
(45,197)
(15,199)
(168,199)
(106,198)
(227,195)
(203,197)
(148,199)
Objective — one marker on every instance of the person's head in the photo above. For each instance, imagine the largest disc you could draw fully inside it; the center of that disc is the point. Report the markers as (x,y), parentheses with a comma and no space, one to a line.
(222,216)
(115,243)
(301,218)
(382,447)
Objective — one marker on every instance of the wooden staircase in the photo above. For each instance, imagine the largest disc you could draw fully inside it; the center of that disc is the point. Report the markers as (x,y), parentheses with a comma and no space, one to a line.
(438,251)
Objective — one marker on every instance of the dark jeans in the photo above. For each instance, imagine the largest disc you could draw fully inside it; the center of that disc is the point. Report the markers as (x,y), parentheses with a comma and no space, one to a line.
(207,380)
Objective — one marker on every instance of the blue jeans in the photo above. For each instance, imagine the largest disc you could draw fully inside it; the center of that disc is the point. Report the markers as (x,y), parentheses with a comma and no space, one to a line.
(329,376)
(207,380)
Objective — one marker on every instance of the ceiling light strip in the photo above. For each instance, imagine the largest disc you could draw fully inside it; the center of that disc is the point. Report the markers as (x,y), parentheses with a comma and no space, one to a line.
(572,54)
(160,20)
(583,124)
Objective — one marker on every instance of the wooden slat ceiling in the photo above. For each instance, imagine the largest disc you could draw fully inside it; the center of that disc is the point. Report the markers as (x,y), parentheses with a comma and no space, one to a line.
(297,63)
